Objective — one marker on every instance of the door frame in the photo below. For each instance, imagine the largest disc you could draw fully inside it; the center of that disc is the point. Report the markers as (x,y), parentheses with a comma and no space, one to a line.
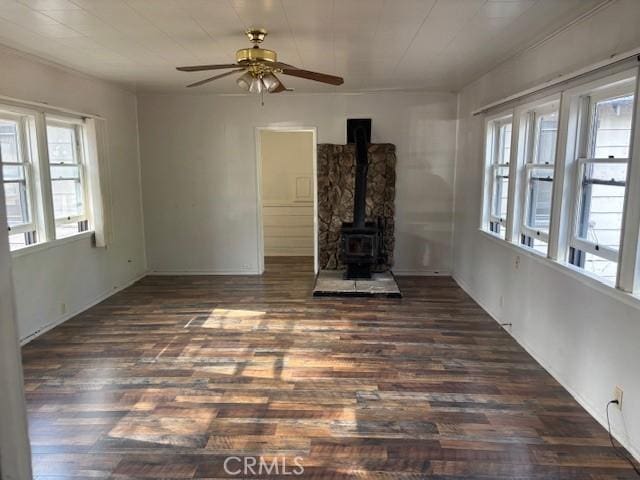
(259,220)
(15,449)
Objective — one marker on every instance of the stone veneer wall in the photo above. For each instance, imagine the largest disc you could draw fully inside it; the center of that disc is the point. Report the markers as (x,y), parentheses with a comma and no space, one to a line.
(336,178)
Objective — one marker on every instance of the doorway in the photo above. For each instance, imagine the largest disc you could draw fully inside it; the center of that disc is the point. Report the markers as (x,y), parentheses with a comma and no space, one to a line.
(287,200)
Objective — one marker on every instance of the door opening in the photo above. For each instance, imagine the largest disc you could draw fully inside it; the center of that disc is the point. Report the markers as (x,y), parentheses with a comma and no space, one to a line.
(287,210)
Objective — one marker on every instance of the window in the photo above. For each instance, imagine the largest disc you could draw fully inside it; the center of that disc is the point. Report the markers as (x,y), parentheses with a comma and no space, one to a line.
(542,123)
(499,153)
(601,182)
(17,175)
(47,163)
(572,182)
(67,178)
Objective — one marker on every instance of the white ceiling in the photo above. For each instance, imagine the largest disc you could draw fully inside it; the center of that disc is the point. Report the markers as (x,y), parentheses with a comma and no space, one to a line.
(373,44)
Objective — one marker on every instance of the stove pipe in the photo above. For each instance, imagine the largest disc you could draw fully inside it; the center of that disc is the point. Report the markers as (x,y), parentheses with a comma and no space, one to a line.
(360,191)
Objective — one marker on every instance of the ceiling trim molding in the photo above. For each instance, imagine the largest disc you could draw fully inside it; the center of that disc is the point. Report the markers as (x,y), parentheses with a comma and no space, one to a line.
(594,67)
(43,107)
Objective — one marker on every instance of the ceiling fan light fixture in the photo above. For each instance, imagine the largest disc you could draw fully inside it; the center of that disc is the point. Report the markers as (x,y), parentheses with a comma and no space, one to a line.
(270,82)
(245,81)
(256,85)
(259,65)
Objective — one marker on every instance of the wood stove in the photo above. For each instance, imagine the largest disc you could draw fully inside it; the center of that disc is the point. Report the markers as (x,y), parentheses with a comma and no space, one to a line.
(360,241)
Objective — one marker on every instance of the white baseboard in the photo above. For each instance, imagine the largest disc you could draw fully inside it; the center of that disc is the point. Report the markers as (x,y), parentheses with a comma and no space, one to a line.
(203,272)
(591,410)
(77,311)
(421,273)
(288,254)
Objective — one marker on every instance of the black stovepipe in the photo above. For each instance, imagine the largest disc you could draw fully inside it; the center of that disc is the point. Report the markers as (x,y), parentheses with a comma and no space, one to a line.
(360,192)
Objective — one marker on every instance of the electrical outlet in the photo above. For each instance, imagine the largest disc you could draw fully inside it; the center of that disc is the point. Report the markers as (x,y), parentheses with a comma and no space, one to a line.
(517,262)
(501,301)
(63,308)
(617,395)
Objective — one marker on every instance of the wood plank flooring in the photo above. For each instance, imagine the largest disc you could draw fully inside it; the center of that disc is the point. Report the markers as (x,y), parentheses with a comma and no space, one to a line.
(173,375)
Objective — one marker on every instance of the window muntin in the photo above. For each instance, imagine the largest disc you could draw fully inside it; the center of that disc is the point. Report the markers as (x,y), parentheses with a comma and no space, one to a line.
(500,154)
(16,174)
(540,158)
(67,178)
(601,185)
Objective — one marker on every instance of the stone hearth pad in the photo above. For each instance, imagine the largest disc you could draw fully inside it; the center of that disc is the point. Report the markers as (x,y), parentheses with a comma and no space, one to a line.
(331,283)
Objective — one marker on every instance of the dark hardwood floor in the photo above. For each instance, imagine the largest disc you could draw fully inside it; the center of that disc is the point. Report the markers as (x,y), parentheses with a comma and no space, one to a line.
(168,378)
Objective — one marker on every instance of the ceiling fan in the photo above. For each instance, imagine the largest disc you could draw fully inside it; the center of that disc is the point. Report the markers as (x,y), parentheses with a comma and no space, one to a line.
(260,66)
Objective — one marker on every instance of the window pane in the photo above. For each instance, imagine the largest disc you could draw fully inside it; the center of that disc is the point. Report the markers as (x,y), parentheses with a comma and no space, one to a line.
(546,136)
(61,141)
(540,246)
(615,172)
(601,267)
(19,240)
(67,229)
(9,141)
(12,172)
(539,201)
(613,127)
(67,198)
(65,172)
(535,243)
(66,180)
(504,143)
(15,196)
(602,204)
(500,192)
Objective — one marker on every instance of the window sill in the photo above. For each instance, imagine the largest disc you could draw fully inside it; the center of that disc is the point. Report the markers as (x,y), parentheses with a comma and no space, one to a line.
(39,247)
(581,276)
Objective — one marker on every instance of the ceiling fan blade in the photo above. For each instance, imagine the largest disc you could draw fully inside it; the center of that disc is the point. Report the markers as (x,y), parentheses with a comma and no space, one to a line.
(315,76)
(283,65)
(216,77)
(199,68)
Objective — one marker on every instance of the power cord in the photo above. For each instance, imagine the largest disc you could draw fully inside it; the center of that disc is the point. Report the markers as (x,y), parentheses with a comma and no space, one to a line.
(620,452)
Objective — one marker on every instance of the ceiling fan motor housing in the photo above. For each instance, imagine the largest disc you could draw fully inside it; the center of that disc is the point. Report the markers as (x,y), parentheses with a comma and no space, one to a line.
(254,55)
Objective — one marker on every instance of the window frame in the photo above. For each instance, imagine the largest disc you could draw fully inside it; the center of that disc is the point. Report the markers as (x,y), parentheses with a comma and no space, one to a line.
(528,145)
(586,139)
(79,154)
(493,223)
(573,125)
(24,154)
(525,228)
(89,149)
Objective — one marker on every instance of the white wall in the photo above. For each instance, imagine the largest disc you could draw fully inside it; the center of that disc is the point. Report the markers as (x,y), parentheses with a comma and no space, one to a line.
(287,192)
(199,172)
(587,338)
(75,273)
